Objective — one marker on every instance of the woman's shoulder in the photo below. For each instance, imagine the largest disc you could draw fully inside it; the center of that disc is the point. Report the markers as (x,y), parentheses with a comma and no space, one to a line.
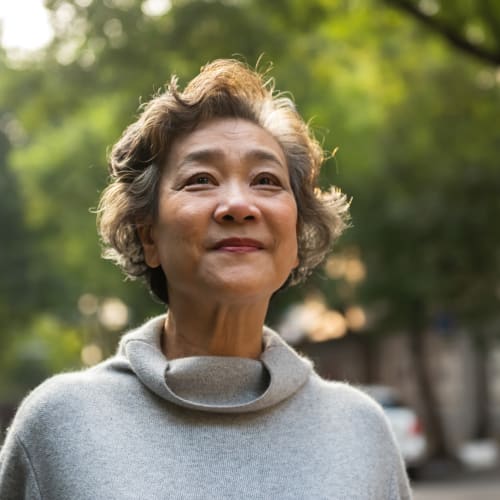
(351,413)
(64,394)
(348,399)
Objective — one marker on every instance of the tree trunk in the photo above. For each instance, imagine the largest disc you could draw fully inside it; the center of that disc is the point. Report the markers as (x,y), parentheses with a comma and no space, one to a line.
(482,389)
(369,346)
(432,418)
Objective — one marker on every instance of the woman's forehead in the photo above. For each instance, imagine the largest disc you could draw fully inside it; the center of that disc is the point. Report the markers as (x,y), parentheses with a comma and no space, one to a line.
(221,137)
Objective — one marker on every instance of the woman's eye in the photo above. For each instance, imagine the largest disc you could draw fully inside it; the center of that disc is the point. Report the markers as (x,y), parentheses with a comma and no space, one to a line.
(199,179)
(267,180)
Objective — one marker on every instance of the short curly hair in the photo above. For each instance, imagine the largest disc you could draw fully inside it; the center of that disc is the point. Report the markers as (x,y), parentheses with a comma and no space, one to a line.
(225,88)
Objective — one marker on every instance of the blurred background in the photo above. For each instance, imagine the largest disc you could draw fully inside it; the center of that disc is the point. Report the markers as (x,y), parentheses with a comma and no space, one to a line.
(408,305)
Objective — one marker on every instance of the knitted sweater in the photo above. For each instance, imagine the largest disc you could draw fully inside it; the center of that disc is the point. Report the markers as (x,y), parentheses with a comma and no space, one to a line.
(141,427)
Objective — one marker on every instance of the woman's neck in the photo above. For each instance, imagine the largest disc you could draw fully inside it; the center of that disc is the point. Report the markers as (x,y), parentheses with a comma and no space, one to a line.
(214,330)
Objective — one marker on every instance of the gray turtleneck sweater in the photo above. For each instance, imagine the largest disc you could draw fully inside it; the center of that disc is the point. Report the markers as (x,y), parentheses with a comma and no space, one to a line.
(141,427)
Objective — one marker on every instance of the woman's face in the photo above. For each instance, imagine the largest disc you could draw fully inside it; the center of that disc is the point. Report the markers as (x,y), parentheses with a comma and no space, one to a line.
(227,219)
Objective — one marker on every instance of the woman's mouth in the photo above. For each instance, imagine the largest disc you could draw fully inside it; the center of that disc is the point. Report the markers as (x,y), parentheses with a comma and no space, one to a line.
(238,245)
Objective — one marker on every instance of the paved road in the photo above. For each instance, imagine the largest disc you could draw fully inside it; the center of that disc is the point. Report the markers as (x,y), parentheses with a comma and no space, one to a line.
(473,489)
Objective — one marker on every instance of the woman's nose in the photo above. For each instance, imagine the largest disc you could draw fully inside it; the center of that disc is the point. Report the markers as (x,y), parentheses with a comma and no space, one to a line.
(236,205)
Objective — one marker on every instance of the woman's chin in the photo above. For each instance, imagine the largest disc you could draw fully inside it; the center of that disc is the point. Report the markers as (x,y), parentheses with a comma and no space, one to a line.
(242,288)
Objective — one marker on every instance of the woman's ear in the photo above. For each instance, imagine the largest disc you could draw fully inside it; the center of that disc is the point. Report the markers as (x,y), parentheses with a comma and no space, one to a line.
(147,236)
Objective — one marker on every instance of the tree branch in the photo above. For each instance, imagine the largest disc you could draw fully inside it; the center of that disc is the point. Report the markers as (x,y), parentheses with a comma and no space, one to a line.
(491,57)
(491,16)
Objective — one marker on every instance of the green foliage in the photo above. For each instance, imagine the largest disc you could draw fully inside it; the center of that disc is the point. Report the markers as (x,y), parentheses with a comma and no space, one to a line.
(436,198)
(416,124)
(471,27)
(45,346)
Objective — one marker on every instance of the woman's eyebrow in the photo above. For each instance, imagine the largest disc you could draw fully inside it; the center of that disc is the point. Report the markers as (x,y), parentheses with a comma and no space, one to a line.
(265,155)
(208,155)
(215,155)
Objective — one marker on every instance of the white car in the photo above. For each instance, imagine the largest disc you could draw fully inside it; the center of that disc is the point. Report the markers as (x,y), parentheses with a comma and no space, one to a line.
(404,422)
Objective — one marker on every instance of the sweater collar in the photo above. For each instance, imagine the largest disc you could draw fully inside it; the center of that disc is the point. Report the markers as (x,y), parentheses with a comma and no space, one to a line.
(215,383)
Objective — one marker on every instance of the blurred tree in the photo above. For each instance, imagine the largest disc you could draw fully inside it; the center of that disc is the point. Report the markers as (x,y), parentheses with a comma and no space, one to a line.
(471,27)
(432,250)
(85,90)
(44,345)
(18,284)
(356,69)
(72,103)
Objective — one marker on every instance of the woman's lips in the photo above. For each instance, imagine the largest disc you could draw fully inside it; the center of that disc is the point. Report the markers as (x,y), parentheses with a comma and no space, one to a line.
(238,245)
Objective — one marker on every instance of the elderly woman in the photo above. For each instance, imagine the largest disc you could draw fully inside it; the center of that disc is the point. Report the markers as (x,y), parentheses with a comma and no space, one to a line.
(212,200)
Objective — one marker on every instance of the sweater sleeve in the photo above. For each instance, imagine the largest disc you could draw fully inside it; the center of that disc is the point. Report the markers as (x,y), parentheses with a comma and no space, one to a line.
(400,486)
(17,477)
